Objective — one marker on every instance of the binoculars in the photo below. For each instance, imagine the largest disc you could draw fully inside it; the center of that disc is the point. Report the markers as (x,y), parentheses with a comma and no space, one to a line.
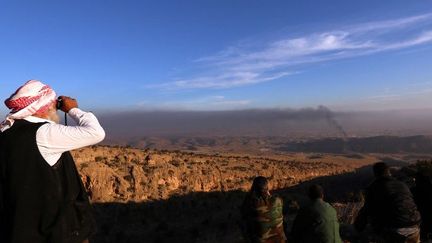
(59,103)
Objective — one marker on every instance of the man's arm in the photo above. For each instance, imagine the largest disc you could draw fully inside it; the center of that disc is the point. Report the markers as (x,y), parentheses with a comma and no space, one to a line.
(55,139)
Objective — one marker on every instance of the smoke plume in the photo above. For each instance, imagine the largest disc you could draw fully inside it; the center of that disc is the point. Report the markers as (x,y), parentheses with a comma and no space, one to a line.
(292,123)
(330,117)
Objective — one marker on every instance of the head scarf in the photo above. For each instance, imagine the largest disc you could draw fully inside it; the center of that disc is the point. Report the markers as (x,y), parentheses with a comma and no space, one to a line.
(32,97)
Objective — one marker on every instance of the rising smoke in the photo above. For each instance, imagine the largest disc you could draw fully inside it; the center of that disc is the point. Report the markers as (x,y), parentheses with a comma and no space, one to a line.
(307,123)
(330,117)
(254,122)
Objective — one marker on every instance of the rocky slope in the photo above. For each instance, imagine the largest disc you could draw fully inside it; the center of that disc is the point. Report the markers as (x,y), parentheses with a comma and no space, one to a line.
(118,174)
(172,196)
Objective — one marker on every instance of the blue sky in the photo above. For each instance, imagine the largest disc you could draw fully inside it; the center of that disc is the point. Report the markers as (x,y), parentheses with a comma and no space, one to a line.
(219,55)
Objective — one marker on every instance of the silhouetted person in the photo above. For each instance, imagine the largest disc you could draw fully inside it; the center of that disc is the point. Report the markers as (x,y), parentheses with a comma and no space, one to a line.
(317,222)
(423,197)
(263,214)
(42,198)
(390,209)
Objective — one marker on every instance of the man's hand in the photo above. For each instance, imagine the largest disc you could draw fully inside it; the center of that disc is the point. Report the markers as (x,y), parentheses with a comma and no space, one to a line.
(67,103)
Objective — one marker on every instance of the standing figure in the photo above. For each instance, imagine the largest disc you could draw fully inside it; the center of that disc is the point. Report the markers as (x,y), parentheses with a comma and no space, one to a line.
(42,198)
(262,214)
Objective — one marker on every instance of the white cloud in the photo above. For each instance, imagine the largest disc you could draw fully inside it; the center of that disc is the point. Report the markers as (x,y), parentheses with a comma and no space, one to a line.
(218,97)
(232,103)
(423,38)
(221,102)
(384,97)
(226,80)
(215,102)
(389,25)
(407,97)
(238,66)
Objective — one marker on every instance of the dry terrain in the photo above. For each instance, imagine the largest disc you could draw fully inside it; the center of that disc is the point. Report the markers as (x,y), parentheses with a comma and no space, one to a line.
(119,174)
(162,196)
(280,145)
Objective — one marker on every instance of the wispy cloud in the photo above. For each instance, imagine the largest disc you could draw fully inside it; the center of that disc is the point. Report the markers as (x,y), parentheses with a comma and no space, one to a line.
(231,103)
(225,80)
(238,65)
(401,98)
(219,101)
(216,102)
(392,24)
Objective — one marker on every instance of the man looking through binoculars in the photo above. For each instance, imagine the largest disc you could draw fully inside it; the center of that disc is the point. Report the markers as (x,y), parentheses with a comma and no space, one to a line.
(42,198)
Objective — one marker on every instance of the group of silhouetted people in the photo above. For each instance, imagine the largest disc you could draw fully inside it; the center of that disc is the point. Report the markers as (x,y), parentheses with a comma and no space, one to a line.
(392,213)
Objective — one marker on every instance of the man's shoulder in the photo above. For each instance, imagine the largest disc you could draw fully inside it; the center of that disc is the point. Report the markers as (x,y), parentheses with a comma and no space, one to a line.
(312,206)
(21,129)
(25,123)
(276,199)
(330,210)
(276,202)
(391,183)
(328,205)
(379,182)
(320,206)
(19,125)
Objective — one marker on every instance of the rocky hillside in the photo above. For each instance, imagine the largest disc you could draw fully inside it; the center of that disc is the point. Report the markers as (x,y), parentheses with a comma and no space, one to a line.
(118,174)
(172,196)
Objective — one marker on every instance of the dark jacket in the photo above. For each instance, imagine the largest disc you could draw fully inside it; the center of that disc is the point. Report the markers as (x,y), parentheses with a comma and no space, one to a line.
(423,197)
(389,204)
(39,203)
(316,223)
(263,219)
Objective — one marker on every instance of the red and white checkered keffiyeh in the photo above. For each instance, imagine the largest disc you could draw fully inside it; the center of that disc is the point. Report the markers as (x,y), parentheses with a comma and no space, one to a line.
(29,99)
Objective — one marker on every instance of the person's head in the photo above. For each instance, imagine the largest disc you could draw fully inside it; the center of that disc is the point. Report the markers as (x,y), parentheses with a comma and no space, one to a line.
(260,186)
(315,192)
(31,99)
(381,169)
(50,113)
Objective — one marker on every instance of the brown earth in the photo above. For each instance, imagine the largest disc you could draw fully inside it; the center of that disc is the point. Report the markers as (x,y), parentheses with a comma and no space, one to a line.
(118,174)
(172,196)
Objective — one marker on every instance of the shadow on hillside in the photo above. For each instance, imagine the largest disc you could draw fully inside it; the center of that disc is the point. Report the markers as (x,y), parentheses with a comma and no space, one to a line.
(339,188)
(377,144)
(205,217)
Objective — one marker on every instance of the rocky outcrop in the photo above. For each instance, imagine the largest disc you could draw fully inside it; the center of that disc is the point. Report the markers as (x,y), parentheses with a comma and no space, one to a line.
(118,174)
